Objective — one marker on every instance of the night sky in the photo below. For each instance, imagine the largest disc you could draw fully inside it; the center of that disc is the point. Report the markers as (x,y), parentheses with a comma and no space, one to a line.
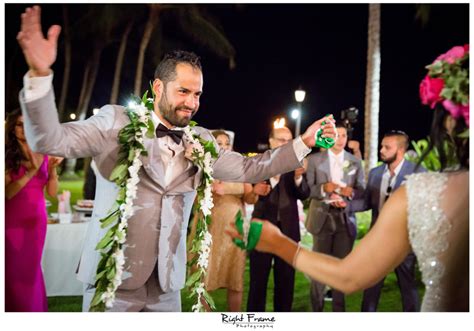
(279,47)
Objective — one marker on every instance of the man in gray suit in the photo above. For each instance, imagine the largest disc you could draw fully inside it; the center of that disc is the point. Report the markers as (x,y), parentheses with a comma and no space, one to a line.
(383,180)
(155,253)
(334,176)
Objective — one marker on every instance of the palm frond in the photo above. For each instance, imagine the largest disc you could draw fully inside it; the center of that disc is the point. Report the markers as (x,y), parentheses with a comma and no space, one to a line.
(203,31)
(423,12)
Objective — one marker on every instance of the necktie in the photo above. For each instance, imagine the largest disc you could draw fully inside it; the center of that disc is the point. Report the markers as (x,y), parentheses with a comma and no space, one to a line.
(162,131)
(389,188)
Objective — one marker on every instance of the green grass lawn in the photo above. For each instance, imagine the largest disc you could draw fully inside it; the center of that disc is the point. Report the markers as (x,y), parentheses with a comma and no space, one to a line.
(390,300)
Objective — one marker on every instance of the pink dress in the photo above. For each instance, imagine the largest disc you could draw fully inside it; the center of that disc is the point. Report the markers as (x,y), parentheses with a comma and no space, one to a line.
(25,232)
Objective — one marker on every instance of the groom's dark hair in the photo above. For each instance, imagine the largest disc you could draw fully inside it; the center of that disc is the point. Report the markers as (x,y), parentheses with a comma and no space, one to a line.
(166,69)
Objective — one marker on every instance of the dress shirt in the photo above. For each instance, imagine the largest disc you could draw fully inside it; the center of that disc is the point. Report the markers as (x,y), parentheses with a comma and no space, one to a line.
(36,87)
(387,180)
(171,154)
(336,165)
(336,170)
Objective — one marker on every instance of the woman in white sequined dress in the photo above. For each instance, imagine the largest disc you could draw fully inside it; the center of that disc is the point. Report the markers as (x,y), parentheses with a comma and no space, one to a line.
(429,215)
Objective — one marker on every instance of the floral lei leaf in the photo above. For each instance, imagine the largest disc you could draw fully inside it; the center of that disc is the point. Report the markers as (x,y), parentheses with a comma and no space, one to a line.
(125,174)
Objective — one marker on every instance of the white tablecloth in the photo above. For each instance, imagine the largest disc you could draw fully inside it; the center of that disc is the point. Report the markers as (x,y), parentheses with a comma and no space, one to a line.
(62,251)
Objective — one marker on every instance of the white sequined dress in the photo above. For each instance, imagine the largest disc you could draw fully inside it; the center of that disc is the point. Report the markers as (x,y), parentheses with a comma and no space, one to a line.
(438,227)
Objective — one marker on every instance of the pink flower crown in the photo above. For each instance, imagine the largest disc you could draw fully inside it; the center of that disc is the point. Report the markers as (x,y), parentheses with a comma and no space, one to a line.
(447,82)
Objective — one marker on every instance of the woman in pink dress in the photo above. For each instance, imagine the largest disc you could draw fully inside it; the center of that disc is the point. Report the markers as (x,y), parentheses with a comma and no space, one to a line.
(26,175)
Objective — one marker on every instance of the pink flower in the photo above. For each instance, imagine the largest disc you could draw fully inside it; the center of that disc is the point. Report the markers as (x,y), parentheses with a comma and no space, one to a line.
(457,110)
(430,90)
(465,114)
(453,54)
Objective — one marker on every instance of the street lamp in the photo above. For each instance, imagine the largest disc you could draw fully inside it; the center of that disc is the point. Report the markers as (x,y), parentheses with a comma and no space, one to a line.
(296,113)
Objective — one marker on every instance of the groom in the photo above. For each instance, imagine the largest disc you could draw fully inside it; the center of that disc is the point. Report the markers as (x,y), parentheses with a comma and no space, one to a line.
(155,248)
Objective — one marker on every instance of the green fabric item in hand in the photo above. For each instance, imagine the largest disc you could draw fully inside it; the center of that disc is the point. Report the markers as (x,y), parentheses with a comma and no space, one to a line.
(253,236)
(322,141)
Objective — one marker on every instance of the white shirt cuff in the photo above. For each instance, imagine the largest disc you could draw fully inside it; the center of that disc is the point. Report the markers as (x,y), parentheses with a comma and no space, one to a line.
(301,150)
(299,181)
(322,191)
(36,87)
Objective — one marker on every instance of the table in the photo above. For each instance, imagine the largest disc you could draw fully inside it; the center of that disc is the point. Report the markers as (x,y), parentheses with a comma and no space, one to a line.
(61,254)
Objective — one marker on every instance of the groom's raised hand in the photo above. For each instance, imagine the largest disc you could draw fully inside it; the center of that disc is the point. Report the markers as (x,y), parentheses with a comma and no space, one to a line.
(328,130)
(40,52)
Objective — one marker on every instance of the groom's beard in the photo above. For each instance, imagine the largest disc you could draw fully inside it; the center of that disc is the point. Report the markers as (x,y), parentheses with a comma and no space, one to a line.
(170,113)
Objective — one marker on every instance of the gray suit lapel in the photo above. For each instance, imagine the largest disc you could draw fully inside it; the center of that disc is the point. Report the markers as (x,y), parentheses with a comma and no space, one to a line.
(377,183)
(325,168)
(190,171)
(152,163)
(345,172)
(401,175)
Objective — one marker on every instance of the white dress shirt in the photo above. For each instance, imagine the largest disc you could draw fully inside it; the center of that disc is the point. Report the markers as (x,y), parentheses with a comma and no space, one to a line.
(171,154)
(336,167)
(388,180)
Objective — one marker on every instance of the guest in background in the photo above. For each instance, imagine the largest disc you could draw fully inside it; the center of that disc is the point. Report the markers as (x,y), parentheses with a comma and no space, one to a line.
(26,175)
(88,190)
(383,181)
(279,207)
(354,146)
(334,177)
(226,261)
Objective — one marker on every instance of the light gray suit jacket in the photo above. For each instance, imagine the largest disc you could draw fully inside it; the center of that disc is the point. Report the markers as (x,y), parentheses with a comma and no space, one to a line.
(157,230)
(318,174)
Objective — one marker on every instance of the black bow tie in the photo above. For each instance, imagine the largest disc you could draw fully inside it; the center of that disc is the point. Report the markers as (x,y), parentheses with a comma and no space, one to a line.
(162,131)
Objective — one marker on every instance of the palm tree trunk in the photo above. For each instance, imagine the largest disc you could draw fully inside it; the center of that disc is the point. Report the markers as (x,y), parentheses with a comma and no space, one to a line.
(67,65)
(90,83)
(150,25)
(119,64)
(85,79)
(372,89)
(90,75)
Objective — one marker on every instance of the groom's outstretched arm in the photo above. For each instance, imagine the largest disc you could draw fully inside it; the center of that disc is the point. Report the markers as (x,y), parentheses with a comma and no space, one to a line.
(231,166)
(46,135)
(43,131)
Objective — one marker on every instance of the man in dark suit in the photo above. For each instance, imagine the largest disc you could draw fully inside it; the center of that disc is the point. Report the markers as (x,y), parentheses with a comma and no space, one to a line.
(334,176)
(383,180)
(280,208)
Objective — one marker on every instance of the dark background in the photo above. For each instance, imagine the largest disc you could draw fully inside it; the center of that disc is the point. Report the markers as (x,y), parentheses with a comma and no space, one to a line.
(279,47)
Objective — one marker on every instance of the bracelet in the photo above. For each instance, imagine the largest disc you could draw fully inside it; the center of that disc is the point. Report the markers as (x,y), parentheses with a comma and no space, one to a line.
(293,263)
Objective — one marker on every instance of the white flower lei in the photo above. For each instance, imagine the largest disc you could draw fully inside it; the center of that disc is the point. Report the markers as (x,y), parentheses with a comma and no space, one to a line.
(110,269)
(202,156)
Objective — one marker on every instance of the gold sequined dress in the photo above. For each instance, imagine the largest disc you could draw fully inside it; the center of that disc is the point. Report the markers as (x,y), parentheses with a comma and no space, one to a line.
(226,260)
